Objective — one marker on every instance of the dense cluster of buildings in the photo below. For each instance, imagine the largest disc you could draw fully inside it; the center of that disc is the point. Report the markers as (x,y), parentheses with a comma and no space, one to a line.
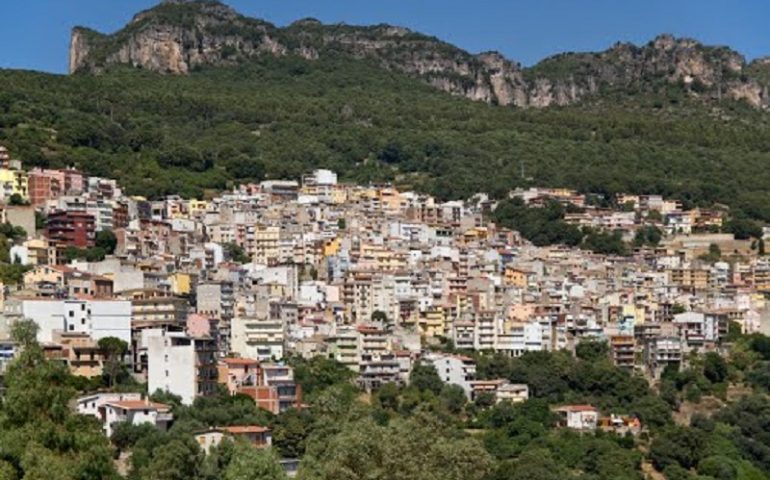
(218,293)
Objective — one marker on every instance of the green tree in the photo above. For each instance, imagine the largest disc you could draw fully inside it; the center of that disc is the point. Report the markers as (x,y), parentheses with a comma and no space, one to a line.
(677,446)
(715,367)
(107,241)
(453,397)
(236,253)
(249,463)
(178,459)
(114,350)
(424,377)
(379,316)
(592,350)
(290,431)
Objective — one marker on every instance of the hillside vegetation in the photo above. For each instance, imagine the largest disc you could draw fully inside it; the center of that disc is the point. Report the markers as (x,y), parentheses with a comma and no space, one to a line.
(278,117)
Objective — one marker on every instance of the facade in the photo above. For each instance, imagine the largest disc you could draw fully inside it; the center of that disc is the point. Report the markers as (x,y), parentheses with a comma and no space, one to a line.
(454,370)
(578,417)
(181,365)
(263,339)
(95,318)
(71,229)
(135,412)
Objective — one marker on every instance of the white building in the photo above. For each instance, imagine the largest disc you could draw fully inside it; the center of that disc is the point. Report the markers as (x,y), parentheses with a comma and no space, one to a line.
(135,412)
(96,318)
(578,417)
(454,369)
(90,404)
(182,365)
(263,339)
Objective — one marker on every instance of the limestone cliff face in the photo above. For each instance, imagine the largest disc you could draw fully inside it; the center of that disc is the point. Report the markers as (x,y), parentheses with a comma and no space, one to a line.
(179,35)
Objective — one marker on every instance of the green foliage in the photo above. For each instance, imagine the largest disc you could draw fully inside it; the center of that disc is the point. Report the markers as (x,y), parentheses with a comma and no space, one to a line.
(219,410)
(107,241)
(715,368)
(279,117)
(541,226)
(93,254)
(425,378)
(648,235)
(250,463)
(290,431)
(743,229)
(365,449)
(592,350)
(677,446)
(379,316)
(177,459)
(714,254)
(113,349)
(607,243)
(11,272)
(236,253)
(319,373)
(40,436)
(558,377)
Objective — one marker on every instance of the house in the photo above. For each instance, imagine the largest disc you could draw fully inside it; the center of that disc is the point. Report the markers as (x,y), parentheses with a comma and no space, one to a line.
(256,435)
(454,370)
(235,373)
(275,389)
(71,229)
(500,389)
(182,365)
(135,412)
(91,403)
(95,318)
(512,392)
(578,417)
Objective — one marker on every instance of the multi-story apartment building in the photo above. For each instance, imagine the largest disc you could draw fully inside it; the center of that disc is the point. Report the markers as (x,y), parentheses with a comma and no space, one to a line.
(182,365)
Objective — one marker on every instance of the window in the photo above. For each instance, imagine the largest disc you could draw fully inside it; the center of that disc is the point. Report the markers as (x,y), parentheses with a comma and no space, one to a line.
(167,373)
(71,313)
(72,327)
(82,307)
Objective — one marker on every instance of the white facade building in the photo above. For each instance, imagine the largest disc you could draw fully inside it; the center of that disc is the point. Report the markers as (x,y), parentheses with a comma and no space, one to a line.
(96,318)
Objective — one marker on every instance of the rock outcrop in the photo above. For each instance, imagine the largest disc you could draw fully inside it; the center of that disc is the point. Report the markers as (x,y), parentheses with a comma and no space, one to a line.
(179,35)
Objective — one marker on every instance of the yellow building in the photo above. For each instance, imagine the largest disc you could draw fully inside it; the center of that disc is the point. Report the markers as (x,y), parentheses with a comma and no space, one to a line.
(197,207)
(339,195)
(180,283)
(696,278)
(331,247)
(433,322)
(12,182)
(266,243)
(516,277)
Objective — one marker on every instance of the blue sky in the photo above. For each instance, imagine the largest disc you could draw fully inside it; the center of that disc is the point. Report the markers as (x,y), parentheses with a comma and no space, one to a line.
(35,33)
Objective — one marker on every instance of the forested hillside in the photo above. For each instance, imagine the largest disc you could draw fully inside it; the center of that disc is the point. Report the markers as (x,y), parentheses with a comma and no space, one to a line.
(278,117)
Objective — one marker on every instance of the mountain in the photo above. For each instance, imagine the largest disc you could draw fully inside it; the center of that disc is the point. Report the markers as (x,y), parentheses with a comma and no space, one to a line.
(178,36)
(221,99)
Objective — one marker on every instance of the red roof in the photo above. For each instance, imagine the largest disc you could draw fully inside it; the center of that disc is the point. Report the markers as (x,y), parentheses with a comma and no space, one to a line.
(242,429)
(139,405)
(240,361)
(578,408)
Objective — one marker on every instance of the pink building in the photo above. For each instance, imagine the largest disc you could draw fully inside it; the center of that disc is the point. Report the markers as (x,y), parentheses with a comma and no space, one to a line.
(236,373)
(198,325)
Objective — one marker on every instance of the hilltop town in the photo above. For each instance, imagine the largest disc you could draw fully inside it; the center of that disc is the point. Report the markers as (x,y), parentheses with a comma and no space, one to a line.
(228,294)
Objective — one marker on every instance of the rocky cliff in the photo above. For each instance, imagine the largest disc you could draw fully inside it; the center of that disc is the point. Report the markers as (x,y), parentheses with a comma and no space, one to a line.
(179,35)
